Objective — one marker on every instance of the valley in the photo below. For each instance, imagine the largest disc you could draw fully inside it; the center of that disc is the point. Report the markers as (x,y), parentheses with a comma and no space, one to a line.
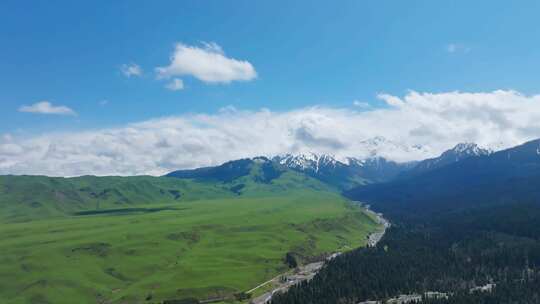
(269,152)
(467,229)
(158,239)
(304,273)
(265,230)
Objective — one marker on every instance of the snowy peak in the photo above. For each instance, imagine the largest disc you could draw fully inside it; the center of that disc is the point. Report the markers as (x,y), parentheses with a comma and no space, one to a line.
(465,150)
(343,173)
(374,149)
(457,153)
(307,161)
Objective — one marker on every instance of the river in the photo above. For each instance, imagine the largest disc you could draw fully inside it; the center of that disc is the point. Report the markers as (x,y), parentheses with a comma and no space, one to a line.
(307,272)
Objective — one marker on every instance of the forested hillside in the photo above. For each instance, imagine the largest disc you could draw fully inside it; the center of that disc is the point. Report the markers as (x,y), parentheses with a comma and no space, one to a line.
(457,229)
(508,176)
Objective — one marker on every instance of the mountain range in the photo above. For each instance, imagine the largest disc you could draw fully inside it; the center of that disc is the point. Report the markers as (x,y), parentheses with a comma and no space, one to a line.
(46,196)
(465,229)
(197,234)
(469,201)
(344,174)
(485,178)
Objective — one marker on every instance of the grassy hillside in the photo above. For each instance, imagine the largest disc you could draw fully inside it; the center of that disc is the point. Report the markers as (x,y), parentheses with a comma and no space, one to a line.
(25,198)
(147,239)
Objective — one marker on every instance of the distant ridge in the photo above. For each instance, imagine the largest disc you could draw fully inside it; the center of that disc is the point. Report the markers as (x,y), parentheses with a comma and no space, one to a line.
(501,177)
(342,174)
(459,152)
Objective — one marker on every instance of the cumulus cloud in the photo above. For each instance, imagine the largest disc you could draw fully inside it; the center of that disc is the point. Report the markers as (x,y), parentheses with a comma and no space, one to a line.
(131,69)
(390,100)
(207,63)
(415,126)
(175,85)
(45,107)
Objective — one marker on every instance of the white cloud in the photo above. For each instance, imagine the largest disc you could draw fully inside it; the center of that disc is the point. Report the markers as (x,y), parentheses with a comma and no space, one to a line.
(131,69)
(207,63)
(229,109)
(7,137)
(390,100)
(175,85)
(422,125)
(45,107)
(103,102)
(361,104)
(10,149)
(457,48)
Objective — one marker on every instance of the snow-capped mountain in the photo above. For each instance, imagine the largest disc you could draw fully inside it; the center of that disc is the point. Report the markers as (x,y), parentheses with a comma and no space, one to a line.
(505,177)
(345,173)
(349,172)
(459,152)
(377,147)
(308,161)
(465,150)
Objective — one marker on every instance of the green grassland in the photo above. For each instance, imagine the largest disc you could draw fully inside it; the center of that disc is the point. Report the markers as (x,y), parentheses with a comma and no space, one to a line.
(147,239)
(24,198)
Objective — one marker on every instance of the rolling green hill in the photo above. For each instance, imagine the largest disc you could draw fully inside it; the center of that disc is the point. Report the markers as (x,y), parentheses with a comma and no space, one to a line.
(32,197)
(24,198)
(148,239)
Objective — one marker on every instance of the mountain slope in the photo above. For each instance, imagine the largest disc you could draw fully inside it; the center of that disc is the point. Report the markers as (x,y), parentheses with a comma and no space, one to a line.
(252,176)
(469,231)
(206,234)
(323,167)
(459,152)
(344,174)
(502,177)
(202,249)
(379,169)
(27,197)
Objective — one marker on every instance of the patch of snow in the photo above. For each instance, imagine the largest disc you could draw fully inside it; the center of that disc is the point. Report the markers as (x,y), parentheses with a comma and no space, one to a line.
(469,149)
(307,161)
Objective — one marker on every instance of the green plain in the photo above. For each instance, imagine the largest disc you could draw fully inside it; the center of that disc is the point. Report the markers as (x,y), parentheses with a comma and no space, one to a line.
(206,243)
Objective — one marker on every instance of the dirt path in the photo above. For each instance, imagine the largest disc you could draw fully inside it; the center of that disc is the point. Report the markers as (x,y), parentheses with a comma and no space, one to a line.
(286,280)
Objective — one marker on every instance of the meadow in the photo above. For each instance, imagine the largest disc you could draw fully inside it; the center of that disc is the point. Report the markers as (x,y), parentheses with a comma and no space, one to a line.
(204,248)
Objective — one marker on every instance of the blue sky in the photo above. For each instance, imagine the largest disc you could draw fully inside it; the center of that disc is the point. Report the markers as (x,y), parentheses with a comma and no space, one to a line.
(87,87)
(305,53)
